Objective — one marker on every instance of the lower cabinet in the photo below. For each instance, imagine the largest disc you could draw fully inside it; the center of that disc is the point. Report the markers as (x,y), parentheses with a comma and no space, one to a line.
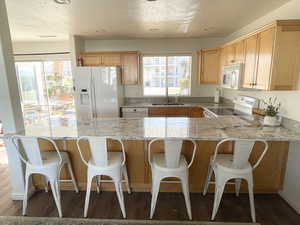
(176,112)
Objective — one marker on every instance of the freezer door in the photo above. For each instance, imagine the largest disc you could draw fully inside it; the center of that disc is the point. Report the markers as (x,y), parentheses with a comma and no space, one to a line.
(105,96)
(83,93)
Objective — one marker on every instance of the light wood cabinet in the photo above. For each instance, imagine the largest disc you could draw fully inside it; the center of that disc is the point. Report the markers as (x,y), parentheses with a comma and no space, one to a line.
(92,60)
(111,59)
(233,53)
(128,61)
(250,61)
(130,68)
(239,56)
(264,61)
(209,66)
(194,112)
(270,56)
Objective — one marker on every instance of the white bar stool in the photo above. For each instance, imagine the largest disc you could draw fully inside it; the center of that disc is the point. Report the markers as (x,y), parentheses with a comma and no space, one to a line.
(171,163)
(106,163)
(236,166)
(48,164)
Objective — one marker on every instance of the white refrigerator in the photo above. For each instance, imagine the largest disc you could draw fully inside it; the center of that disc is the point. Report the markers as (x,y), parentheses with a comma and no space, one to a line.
(98,92)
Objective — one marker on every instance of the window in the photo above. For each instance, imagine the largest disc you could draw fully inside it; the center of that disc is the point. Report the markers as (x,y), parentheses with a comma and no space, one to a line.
(167,75)
(46,92)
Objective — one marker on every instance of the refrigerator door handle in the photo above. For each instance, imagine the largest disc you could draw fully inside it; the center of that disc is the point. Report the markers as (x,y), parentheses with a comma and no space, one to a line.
(93,102)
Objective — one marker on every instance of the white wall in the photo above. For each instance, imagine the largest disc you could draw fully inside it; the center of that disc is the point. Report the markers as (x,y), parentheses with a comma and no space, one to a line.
(289,99)
(41,48)
(160,46)
(291,186)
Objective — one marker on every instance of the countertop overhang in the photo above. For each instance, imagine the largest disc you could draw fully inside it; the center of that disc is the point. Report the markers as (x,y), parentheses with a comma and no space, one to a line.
(210,129)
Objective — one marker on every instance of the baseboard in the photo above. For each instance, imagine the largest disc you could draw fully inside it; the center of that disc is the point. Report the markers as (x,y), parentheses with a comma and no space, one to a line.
(20,197)
(295,206)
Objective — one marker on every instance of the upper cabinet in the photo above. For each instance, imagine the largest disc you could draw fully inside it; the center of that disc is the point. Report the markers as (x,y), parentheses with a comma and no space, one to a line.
(264,59)
(130,68)
(111,59)
(270,55)
(250,61)
(209,66)
(233,53)
(128,61)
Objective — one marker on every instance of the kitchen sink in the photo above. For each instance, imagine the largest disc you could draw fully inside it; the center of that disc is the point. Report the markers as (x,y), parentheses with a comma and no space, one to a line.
(167,104)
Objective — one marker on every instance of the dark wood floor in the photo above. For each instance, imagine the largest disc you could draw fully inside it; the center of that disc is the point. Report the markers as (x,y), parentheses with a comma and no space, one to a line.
(270,209)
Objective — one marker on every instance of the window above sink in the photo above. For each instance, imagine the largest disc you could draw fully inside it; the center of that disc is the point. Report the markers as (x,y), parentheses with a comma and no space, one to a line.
(167,75)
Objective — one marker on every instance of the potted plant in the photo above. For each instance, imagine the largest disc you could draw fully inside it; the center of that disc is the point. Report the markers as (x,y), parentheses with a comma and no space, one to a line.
(272,107)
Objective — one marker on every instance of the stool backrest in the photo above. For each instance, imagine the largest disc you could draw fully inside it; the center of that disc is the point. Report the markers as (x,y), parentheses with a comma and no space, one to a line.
(172,151)
(28,149)
(242,151)
(98,149)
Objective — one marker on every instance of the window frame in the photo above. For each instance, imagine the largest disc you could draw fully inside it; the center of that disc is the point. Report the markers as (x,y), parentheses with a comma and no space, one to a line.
(165,55)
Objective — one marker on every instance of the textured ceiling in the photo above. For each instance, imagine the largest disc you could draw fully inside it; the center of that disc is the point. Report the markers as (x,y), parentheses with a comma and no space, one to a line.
(129,19)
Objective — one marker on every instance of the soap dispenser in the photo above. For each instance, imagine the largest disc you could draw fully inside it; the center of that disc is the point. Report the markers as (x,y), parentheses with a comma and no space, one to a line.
(217,96)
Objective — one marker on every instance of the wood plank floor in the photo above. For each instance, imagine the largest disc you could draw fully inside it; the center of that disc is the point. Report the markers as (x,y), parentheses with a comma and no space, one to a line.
(270,209)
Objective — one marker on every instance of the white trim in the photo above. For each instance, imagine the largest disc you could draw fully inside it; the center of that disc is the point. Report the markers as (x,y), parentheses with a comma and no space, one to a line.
(20,196)
(293,204)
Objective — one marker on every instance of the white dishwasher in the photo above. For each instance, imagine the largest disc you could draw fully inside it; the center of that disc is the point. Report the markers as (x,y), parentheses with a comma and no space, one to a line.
(134,112)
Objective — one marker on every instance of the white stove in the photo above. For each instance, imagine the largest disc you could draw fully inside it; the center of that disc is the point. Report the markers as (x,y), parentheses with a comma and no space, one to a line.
(243,106)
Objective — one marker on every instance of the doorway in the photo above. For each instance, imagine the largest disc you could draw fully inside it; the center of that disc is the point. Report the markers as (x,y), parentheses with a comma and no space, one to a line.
(46,92)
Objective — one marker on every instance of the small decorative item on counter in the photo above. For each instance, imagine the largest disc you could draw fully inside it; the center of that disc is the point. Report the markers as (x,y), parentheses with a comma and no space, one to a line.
(217,96)
(79,61)
(271,111)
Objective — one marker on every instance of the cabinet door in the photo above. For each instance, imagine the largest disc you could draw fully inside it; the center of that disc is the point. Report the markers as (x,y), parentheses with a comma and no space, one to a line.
(209,66)
(239,52)
(178,111)
(265,53)
(196,112)
(130,68)
(111,59)
(250,61)
(230,54)
(91,60)
(158,111)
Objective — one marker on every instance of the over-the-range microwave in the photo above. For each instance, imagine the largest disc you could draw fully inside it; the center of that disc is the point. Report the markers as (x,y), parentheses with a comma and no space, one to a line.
(231,76)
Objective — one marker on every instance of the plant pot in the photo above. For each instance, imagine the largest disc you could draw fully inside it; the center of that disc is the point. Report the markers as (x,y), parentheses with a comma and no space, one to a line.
(272,121)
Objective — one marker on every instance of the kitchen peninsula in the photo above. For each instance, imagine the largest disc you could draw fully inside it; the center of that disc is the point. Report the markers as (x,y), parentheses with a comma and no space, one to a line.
(136,133)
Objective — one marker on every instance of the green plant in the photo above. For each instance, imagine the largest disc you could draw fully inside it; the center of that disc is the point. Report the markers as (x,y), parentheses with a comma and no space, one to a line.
(272,106)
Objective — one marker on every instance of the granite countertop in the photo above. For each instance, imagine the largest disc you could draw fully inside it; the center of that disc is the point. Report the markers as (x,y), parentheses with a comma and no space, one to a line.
(176,127)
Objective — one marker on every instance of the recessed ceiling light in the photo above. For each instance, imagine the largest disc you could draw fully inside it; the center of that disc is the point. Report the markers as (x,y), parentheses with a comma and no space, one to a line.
(63,2)
(151,0)
(47,36)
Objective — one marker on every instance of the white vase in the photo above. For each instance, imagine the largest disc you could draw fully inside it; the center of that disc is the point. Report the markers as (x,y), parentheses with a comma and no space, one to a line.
(272,121)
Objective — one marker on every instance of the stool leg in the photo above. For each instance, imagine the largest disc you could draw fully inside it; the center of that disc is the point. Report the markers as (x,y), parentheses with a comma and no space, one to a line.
(208,178)
(124,171)
(237,186)
(87,196)
(118,185)
(186,192)
(251,198)
(155,190)
(25,194)
(46,184)
(72,177)
(54,186)
(219,189)
(98,182)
